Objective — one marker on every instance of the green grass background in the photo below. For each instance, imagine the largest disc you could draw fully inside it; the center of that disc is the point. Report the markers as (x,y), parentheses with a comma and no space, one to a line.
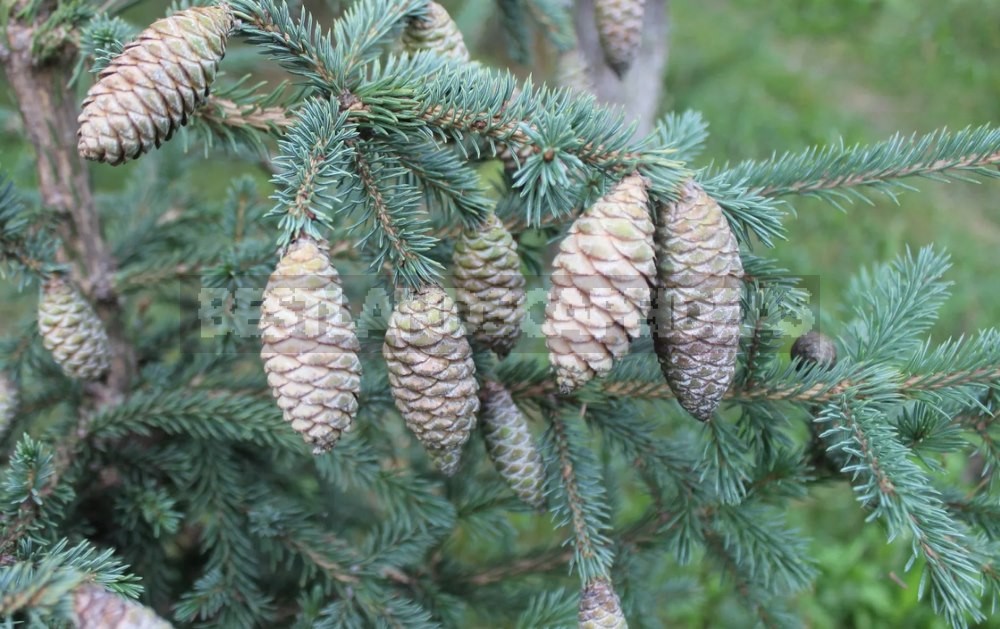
(776,76)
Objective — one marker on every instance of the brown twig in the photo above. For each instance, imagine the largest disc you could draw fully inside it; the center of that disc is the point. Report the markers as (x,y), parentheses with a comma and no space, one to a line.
(227,113)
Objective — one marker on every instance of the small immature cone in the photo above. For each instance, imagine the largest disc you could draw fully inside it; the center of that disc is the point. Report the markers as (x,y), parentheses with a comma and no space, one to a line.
(600,607)
(489,286)
(432,375)
(814,348)
(72,331)
(510,445)
(601,282)
(149,90)
(435,31)
(8,402)
(696,327)
(97,608)
(619,25)
(309,346)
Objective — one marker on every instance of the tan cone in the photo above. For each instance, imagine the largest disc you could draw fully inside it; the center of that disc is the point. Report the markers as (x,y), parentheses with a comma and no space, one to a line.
(436,31)
(697,317)
(489,285)
(510,444)
(432,375)
(8,402)
(97,608)
(601,282)
(309,345)
(619,25)
(150,89)
(600,607)
(72,331)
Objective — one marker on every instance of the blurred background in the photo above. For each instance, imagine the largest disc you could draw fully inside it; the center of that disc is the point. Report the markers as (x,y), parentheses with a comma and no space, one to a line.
(768,77)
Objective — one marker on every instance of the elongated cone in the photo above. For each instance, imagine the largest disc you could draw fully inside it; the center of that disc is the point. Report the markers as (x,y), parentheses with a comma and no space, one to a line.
(696,327)
(309,346)
(432,375)
(72,331)
(8,402)
(601,282)
(510,445)
(149,90)
(619,25)
(489,286)
(435,31)
(599,606)
(97,608)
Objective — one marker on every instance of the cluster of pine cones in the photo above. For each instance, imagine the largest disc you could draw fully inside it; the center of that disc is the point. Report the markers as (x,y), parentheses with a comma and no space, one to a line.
(615,271)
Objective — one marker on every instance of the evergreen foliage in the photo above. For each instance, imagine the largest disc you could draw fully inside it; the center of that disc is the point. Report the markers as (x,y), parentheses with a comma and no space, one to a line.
(174,480)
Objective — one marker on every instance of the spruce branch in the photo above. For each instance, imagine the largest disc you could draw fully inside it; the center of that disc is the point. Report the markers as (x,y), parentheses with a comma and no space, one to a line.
(44,582)
(580,495)
(899,493)
(835,173)
(397,226)
(314,169)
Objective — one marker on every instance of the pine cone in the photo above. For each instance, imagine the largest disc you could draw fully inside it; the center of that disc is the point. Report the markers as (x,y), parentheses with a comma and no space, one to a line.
(489,286)
(72,331)
(572,72)
(619,25)
(509,443)
(814,348)
(151,88)
(97,608)
(600,285)
(431,373)
(8,402)
(599,606)
(435,31)
(309,345)
(697,314)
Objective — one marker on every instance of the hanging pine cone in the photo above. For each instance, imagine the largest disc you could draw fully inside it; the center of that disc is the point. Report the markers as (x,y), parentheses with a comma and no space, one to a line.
(435,31)
(601,282)
(489,286)
(97,608)
(697,315)
(599,606)
(151,88)
(309,345)
(8,402)
(619,25)
(72,331)
(432,375)
(572,72)
(814,348)
(510,446)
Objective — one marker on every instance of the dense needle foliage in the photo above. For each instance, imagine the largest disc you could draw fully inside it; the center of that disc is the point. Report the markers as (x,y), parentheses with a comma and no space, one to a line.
(175,479)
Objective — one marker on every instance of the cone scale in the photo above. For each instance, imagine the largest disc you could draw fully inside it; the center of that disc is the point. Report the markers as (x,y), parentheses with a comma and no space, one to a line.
(601,283)
(309,345)
(149,90)
(696,320)
(432,375)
